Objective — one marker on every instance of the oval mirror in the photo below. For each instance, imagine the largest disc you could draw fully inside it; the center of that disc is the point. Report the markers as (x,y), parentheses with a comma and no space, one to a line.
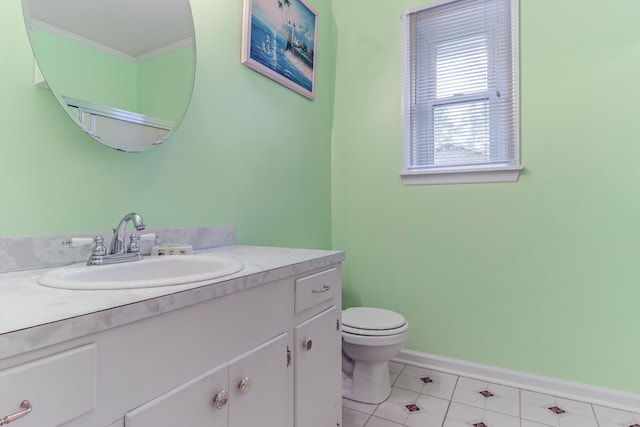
(122,69)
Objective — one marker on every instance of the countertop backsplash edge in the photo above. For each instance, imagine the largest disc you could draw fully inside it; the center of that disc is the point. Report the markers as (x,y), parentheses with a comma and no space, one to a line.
(45,251)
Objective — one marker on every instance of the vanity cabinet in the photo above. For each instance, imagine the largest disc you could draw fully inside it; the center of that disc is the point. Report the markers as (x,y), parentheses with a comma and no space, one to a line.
(265,356)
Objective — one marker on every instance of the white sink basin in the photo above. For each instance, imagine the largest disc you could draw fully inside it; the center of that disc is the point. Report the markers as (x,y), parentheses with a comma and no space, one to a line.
(147,273)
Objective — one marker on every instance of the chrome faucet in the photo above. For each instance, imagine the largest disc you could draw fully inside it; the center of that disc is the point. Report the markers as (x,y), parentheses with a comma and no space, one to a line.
(117,241)
(118,252)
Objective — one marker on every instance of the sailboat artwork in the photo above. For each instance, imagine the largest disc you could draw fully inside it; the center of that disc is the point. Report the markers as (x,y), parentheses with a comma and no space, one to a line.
(279,41)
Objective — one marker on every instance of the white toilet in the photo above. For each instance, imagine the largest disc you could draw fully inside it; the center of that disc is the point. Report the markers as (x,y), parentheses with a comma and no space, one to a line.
(370,338)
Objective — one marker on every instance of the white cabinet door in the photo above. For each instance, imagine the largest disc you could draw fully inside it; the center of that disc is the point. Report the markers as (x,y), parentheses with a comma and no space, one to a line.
(191,405)
(317,364)
(261,386)
(258,388)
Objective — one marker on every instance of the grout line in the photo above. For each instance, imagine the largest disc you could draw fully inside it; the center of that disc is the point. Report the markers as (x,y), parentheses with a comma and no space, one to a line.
(455,386)
(446,413)
(368,418)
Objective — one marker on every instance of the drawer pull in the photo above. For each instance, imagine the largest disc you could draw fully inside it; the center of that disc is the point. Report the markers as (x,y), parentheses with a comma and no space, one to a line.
(26,408)
(307,344)
(325,288)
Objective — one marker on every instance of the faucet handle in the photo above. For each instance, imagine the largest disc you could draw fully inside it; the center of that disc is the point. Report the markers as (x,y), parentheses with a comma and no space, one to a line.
(147,236)
(133,245)
(78,241)
(99,249)
(98,252)
(134,241)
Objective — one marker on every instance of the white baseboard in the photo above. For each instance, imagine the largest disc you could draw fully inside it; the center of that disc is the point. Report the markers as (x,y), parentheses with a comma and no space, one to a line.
(560,388)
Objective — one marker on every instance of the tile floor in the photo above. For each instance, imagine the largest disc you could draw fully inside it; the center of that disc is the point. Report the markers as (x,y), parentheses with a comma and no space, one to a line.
(425,398)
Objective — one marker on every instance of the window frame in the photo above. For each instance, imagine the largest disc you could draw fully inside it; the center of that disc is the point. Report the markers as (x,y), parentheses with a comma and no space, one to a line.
(499,171)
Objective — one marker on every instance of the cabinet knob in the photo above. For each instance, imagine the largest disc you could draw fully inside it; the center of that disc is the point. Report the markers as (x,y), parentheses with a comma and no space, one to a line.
(245,385)
(221,399)
(307,344)
(26,408)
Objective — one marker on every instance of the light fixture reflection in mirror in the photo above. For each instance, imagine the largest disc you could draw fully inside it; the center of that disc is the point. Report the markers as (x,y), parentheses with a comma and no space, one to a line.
(122,69)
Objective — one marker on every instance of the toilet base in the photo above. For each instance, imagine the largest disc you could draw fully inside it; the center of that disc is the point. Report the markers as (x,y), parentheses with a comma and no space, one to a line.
(369,383)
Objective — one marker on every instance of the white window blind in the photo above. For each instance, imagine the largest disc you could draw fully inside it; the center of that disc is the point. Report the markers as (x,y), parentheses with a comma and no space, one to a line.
(461,89)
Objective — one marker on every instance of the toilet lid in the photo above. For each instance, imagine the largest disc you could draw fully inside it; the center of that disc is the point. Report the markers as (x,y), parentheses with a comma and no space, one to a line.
(373,319)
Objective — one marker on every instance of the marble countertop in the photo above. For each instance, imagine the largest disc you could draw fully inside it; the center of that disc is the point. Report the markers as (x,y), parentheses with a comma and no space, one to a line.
(34,316)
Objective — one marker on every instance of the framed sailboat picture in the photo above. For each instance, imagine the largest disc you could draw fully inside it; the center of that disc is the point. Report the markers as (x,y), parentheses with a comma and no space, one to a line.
(279,40)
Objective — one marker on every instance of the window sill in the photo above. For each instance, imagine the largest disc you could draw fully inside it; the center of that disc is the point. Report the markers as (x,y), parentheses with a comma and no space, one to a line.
(461,176)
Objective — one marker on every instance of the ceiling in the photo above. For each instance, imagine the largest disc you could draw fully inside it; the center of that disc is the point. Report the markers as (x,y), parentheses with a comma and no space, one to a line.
(133,27)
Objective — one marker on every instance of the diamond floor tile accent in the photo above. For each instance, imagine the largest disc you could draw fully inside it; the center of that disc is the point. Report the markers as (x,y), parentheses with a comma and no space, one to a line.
(460,415)
(487,396)
(426,381)
(557,410)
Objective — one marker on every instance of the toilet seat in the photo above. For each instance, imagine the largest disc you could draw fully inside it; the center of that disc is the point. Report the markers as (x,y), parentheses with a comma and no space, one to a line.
(369,321)
(374,333)
(371,337)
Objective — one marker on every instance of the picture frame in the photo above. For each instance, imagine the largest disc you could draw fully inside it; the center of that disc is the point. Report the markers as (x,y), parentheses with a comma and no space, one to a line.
(279,39)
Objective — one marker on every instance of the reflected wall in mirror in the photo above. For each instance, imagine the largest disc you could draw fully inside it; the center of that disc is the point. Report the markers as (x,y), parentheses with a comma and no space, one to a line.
(122,69)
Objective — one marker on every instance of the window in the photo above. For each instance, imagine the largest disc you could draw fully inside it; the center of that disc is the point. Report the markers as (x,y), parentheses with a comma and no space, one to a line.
(461,92)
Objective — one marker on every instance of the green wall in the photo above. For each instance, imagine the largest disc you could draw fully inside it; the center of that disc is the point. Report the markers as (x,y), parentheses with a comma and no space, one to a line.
(540,276)
(250,153)
(153,88)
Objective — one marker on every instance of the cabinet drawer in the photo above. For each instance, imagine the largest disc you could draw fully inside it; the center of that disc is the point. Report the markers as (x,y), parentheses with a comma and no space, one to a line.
(59,387)
(316,288)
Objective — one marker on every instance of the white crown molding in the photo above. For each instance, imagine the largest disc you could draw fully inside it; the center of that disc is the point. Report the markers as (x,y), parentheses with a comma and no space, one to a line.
(188,42)
(561,388)
(92,44)
(81,40)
